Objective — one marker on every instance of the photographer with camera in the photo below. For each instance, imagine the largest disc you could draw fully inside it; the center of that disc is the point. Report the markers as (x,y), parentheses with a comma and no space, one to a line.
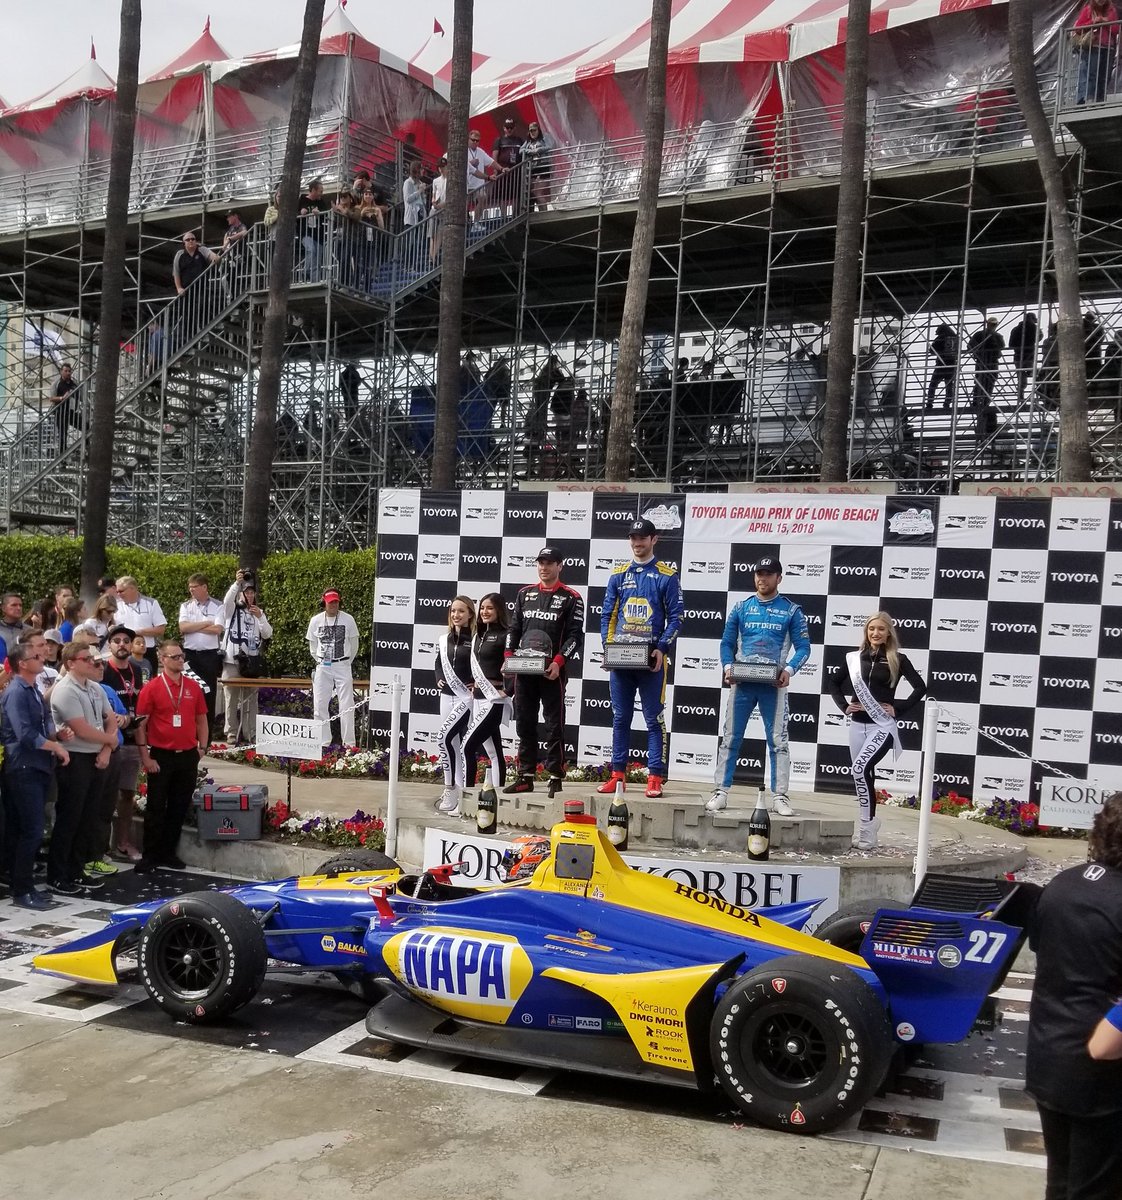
(247,629)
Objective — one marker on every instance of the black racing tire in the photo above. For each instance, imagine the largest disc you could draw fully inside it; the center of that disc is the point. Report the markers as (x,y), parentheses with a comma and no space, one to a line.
(847,927)
(202,956)
(358,860)
(800,1044)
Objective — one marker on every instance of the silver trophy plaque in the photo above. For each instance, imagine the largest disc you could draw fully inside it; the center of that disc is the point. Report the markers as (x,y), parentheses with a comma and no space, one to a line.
(627,656)
(754,670)
(526,662)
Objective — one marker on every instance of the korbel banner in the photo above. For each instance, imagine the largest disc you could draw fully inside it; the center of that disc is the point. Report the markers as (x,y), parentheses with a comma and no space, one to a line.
(1073,803)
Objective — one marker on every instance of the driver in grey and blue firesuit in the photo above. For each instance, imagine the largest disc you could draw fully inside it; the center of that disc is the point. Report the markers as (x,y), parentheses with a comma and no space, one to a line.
(765,627)
(643,603)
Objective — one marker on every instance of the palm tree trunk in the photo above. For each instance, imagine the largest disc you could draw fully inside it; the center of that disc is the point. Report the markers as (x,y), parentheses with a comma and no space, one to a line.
(622,420)
(847,251)
(262,441)
(1075,438)
(453,243)
(99,461)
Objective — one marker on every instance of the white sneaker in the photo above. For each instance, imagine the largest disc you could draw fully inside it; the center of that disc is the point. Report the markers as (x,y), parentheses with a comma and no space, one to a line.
(717,801)
(781,806)
(867,834)
(449,800)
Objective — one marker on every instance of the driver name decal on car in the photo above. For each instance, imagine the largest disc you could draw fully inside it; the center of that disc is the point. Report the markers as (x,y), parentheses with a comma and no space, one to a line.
(478,975)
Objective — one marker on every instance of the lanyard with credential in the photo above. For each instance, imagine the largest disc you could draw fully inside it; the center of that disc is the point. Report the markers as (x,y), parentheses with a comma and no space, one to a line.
(176,701)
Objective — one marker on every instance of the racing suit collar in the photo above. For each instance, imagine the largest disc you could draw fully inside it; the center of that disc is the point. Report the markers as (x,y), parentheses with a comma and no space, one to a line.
(646,562)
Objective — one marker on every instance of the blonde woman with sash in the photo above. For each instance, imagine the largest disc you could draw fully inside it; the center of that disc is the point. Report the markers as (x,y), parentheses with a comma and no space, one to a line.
(865,689)
(493,707)
(455,685)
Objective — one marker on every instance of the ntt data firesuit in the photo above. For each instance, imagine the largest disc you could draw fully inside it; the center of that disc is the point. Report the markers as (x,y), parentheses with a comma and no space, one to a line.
(768,630)
(643,603)
(550,620)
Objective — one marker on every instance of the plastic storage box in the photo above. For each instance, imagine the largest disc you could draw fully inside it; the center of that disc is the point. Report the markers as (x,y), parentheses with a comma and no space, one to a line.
(231,813)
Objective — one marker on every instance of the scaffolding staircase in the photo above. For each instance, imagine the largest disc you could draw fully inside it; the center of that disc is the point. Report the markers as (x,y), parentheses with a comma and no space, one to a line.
(178,438)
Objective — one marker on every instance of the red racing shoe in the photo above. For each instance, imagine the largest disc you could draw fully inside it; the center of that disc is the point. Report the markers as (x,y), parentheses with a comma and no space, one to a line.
(654,787)
(609,784)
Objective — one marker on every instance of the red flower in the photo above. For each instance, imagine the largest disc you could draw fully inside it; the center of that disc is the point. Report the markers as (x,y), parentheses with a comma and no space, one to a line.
(250,755)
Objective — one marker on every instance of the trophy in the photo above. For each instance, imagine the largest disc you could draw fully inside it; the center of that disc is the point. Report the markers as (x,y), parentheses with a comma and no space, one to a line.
(754,669)
(532,656)
(627,656)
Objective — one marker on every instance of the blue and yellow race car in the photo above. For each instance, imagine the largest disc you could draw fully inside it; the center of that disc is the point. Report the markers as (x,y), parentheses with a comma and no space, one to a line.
(580,963)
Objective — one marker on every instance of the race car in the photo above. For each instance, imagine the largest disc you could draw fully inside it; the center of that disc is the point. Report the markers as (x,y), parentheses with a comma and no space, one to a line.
(579,962)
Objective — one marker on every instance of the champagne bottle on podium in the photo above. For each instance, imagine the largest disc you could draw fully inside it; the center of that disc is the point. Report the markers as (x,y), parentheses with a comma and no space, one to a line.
(487,807)
(759,831)
(618,819)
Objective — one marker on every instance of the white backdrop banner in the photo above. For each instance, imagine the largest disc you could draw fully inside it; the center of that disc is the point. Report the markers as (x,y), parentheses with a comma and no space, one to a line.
(1073,803)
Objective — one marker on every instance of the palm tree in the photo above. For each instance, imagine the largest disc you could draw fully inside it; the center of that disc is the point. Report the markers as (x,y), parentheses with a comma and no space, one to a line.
(622,420)
(453,244)
(1075,442)
(262,441)
(847,252)
(99,461)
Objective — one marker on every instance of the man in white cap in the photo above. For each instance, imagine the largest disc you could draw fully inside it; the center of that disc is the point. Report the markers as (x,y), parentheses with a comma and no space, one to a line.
(333,641)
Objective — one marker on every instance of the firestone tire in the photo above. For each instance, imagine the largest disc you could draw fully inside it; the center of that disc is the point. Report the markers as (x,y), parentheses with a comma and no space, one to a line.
(358,860)
(202,956)
(800,1044)
(847,927)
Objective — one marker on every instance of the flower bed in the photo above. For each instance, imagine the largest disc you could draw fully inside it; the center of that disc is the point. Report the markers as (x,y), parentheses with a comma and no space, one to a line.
(283,824)
(1016,816)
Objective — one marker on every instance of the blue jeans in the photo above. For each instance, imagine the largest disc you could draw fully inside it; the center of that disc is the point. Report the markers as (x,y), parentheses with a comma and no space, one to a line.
(772,703)
(25,796)
(1094,67)
(651,686)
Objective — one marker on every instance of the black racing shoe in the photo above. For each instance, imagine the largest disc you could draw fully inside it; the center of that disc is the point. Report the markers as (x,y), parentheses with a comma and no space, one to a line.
(556,783)
(524,783)
(64,887)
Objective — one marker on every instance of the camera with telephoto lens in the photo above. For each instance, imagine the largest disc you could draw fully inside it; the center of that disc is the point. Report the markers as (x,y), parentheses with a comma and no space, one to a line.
(249,579)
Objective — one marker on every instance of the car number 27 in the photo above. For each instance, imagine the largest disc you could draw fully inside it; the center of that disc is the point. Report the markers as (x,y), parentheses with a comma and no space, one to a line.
(984,946)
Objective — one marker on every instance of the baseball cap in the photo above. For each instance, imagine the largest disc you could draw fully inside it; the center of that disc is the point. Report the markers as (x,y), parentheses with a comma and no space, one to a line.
(769,565)
(550,553)
(642,528)
(119,629)
(329,595)
(53,635)
(991,321)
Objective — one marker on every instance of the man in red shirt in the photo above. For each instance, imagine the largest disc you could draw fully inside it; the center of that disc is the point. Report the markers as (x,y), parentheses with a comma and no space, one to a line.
(1095,38)
(171,742)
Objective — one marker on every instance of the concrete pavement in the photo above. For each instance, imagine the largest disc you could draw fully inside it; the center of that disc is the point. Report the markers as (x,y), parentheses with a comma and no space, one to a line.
(109,1114)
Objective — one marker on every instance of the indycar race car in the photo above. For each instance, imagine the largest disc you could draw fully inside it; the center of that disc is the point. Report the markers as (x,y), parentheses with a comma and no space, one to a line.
(579,962)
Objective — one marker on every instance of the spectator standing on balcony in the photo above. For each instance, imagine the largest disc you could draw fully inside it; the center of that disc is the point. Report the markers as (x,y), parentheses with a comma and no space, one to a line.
(537,150)
(944,349)
(439,199)
(986,348)
(313,205)
(507,152)
(361,185)
(1095,38)
(479,166)
(236,231)
(1023,341)
(61,404)
(413,195)
(190,262)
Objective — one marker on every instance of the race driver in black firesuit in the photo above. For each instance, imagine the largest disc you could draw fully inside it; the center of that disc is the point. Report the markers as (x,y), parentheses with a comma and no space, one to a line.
(548,616)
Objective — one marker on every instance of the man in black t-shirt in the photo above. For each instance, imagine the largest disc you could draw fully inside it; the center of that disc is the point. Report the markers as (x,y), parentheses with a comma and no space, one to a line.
(1076,931)
(62,403)
(313,232)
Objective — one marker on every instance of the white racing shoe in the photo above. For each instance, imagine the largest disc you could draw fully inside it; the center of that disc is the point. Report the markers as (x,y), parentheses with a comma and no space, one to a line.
(867,834)
(449,800)
(781,806)
(717,801)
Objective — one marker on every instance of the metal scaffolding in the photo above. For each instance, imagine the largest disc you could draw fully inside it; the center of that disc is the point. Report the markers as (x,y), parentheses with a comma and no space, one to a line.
(956,230)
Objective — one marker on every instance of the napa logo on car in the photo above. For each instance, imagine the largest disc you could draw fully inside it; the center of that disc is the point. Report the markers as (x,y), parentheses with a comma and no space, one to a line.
(472,974)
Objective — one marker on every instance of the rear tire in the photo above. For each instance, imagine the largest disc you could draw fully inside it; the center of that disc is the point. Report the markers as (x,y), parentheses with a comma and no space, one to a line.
(800,1044)
(358,860)
(202,956)
(847,927)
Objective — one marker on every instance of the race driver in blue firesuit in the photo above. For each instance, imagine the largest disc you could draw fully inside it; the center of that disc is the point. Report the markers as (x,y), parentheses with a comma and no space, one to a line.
(643,603)
(765,629)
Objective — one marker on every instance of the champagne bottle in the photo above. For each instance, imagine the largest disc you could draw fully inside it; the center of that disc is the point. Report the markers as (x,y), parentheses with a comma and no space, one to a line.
(759,831)
(618,819)
(487,807)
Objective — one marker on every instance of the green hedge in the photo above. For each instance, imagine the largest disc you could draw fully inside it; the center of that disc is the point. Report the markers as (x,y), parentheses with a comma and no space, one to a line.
(291,585)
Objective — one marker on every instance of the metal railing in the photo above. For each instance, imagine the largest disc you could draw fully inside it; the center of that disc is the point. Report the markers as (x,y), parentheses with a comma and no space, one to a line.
(1090,68)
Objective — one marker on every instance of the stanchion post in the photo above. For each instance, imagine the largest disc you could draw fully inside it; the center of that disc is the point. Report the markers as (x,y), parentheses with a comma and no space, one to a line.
(926,788)
(392,766)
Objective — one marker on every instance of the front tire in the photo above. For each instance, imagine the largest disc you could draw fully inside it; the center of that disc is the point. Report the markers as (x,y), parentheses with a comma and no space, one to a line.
(202,957)
(800,1044)
(358,860)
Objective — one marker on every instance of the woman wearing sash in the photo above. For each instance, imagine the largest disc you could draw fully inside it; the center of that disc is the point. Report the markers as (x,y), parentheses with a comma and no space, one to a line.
(454,683)
(492,704)
(865,689)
